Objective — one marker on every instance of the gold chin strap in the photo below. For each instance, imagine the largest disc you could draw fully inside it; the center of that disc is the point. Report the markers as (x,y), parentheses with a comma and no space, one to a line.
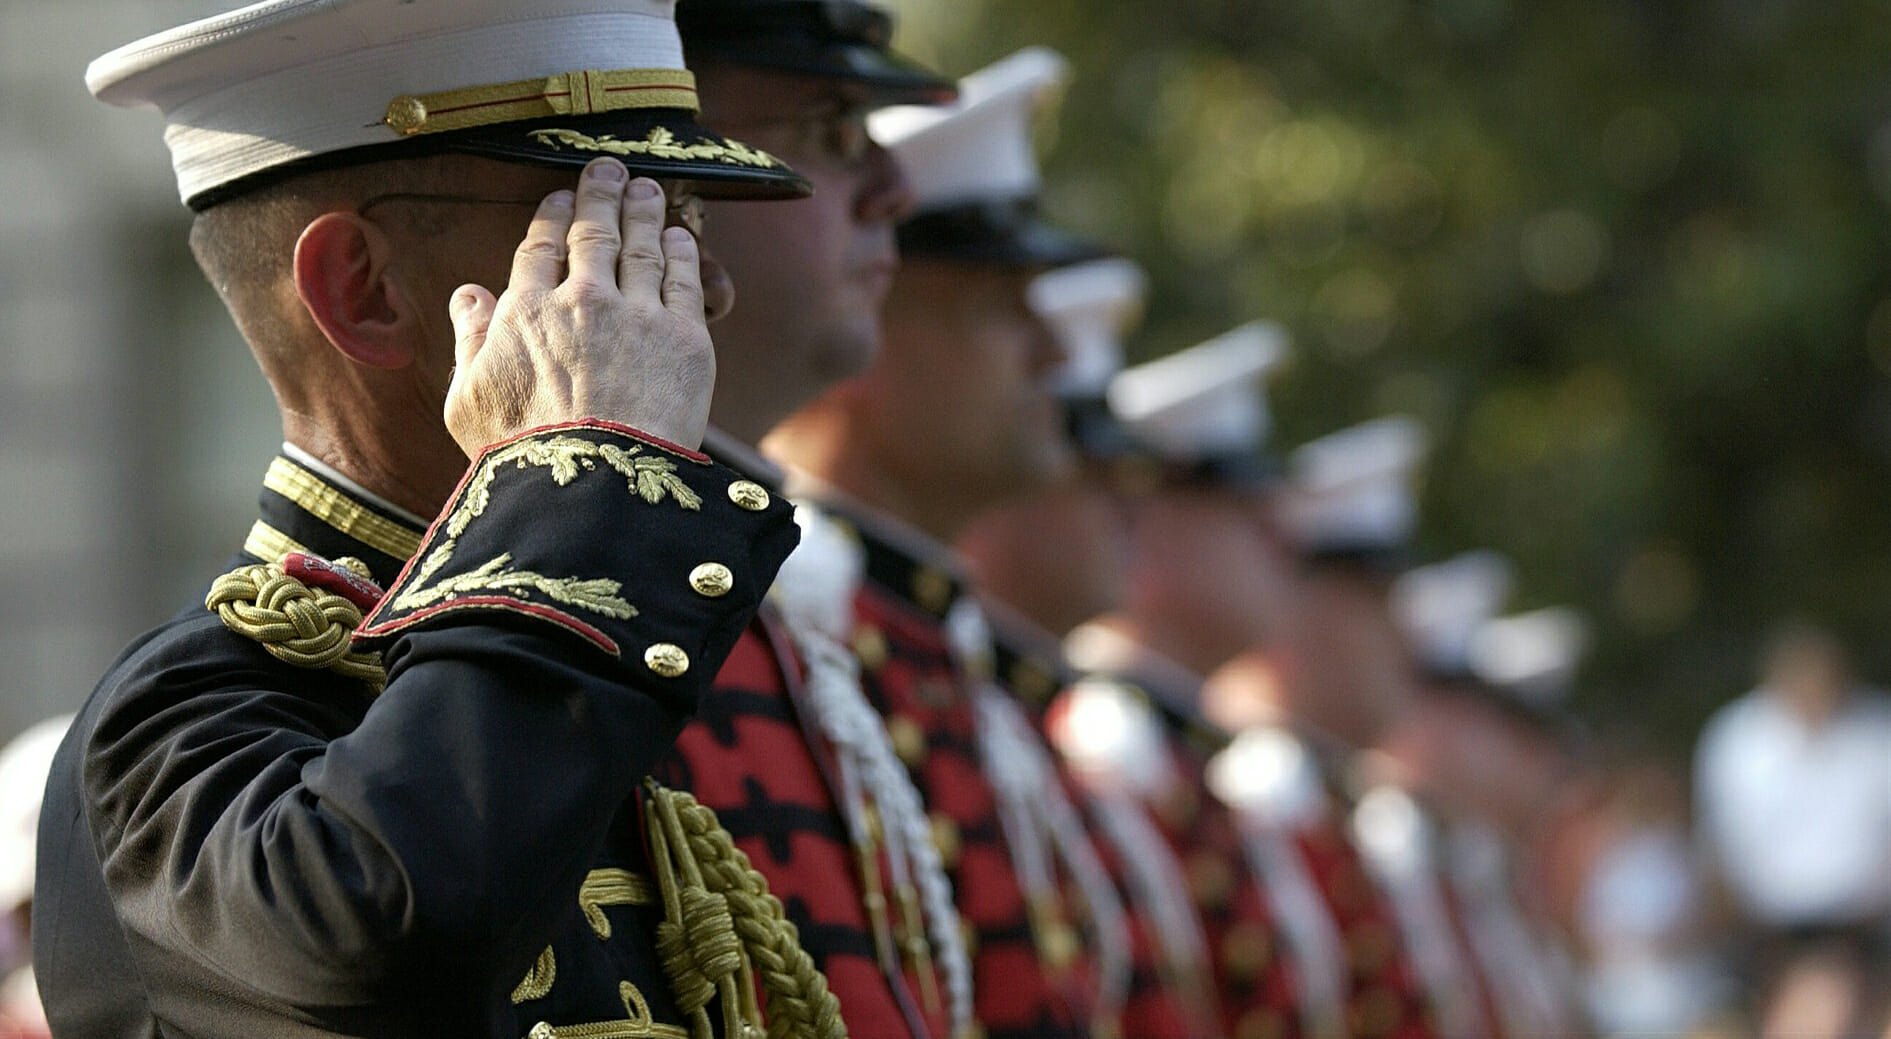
(299,625)
(568,93)
(722,930)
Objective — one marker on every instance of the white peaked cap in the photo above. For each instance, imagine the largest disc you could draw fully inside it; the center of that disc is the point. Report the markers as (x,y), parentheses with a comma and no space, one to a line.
(982,147)
(1205,400)
(25,763)
(1442,607)
(1090,307)
(283,80)
(1534,655)
(1352,490)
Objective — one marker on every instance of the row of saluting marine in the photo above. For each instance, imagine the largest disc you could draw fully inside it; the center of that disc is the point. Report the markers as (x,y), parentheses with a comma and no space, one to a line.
(393,781)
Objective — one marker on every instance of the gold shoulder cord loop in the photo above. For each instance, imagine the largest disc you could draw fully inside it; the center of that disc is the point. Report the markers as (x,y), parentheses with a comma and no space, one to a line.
(299,625)
(717,909)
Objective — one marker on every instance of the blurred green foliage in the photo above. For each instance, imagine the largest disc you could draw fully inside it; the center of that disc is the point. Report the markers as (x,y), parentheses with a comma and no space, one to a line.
(1626,258)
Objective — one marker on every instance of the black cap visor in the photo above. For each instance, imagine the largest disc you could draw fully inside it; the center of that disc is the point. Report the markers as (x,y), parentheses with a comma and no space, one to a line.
(1103,439)
(1008,234)
(890,78)
(1378,561)
(831,39)
(662,143)
(1244,472)
(1095,429)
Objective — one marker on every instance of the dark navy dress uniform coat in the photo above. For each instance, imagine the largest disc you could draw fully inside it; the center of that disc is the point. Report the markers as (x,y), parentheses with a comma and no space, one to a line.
(234,846)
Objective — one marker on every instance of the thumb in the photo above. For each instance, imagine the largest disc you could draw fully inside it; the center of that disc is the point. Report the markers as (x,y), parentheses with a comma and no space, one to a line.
(471,312)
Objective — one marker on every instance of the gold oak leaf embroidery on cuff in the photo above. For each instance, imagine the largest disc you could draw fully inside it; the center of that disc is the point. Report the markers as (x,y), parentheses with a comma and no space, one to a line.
(597,594)
(651,478)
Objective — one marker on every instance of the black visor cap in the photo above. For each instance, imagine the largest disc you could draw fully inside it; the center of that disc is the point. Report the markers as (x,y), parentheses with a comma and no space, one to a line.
(832,39)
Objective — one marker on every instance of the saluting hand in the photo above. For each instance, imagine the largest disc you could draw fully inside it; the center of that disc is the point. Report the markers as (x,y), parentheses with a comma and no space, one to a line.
(603,318)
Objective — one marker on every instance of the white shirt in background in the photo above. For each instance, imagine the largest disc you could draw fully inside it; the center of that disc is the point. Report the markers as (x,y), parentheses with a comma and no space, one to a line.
(1799,820)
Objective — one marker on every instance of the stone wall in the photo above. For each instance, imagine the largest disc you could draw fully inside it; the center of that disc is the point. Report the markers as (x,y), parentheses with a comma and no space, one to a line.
(134,427)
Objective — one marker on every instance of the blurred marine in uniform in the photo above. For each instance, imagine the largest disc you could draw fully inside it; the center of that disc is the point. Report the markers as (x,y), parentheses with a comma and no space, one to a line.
(260,825)
(785,747)
(1306,698)
(1130,720)
(952,416)
(1488,748)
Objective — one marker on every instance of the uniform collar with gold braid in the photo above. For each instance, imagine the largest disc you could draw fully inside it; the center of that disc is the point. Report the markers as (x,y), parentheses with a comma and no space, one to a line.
(320,545)
(306,510)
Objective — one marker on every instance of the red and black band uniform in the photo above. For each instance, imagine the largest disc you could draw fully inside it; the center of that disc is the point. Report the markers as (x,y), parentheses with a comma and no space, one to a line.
(751,755)
(1253,987)
(1031,970)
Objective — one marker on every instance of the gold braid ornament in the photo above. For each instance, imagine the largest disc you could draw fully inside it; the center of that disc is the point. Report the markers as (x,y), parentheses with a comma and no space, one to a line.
(299,625)
(723,929)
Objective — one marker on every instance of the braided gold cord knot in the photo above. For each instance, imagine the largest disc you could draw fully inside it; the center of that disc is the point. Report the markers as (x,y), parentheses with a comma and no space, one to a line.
(701,950)
(692,988)
(799,1005)
(299,625)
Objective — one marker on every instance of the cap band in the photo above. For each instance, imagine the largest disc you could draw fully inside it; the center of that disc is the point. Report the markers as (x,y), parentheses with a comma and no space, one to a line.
(568,93)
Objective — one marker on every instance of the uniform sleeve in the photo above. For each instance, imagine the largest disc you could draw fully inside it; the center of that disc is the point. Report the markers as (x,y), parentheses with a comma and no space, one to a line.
(284,832)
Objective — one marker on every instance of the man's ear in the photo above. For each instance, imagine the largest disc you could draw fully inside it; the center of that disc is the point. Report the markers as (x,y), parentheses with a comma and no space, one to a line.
(342,277)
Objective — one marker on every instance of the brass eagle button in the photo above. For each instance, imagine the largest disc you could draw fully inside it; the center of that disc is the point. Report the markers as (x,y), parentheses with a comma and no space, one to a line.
(946,838)
(749,495)
(406,115)
(712,580)
(666,659)
(909,740)
(932,589)
(870,647)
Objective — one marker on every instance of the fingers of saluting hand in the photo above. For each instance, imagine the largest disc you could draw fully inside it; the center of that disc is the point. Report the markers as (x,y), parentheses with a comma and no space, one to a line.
(640,259)
(539,262)
(594,237)
(682,275)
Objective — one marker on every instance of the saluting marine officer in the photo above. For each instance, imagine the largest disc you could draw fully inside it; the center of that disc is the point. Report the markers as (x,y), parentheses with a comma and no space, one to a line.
(260,827)
(1488,757)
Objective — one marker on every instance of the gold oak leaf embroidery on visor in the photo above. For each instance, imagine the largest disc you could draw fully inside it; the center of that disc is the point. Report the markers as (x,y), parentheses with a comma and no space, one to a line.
(651,478)
(660,143)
